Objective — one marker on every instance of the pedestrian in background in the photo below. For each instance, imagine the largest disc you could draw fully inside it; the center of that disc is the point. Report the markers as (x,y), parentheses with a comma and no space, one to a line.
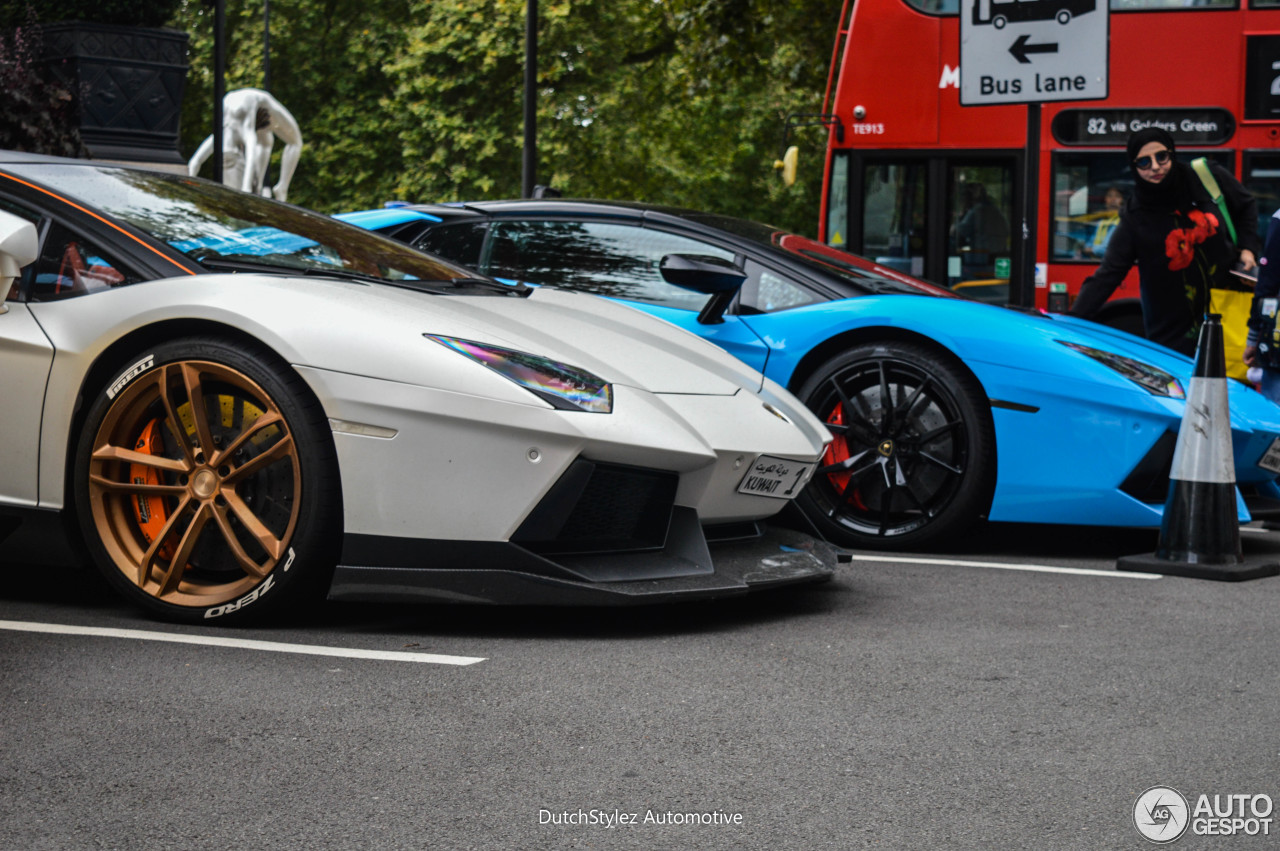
(1262,321)
(1105,221)
(982,227)
(1173,230)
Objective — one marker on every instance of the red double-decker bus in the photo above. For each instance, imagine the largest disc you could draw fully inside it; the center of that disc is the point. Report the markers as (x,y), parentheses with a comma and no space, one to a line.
(918,182)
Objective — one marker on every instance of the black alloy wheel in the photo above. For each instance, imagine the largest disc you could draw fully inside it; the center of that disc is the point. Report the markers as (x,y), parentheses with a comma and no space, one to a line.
(913,460)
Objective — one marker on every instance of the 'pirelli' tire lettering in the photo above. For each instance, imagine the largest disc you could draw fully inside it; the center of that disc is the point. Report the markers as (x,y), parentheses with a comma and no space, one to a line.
(130,374)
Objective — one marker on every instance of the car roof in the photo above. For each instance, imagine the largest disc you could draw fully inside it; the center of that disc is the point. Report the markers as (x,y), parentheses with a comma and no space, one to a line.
(576,206)
(387,217)
(24,157)
(744,235)
(748,233)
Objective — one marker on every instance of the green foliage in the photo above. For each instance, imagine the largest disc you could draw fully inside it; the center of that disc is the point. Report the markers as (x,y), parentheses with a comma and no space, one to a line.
(681,102)
(326,68)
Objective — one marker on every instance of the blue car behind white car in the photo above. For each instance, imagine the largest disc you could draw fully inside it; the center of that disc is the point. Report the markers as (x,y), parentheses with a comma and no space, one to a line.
(944,409)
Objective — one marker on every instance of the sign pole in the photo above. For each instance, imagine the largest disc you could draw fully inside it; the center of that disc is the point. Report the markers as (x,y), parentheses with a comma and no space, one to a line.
(1033,53)
(529,168)
(219,82)
(1025,284)
(266,45)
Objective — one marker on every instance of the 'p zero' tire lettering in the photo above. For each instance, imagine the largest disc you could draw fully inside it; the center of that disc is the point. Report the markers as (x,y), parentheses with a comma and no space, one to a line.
(237,605)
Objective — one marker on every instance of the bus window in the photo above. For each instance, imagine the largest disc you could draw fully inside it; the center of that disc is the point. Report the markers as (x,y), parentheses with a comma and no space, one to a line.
(1087,188)
(979,207)
(893,215)
(935,7)
(952,7)
(838,202)
(1262,178)
(1130,5)
(1083,217)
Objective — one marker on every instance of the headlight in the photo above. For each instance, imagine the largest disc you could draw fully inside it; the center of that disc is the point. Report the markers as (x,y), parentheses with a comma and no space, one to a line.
(565,387)
(1155,381)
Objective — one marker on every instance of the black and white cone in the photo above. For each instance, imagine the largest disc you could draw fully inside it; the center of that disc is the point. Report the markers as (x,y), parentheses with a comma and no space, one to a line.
(1200,532)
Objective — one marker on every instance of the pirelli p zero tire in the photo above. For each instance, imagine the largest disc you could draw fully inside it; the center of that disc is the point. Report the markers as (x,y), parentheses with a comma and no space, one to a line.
(913,460)
(206,482)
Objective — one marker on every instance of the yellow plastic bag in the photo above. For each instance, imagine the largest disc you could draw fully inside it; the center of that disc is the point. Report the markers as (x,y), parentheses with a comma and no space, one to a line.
(1233,306)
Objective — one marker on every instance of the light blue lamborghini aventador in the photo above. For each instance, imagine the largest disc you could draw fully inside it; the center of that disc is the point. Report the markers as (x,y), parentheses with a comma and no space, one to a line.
(945,409)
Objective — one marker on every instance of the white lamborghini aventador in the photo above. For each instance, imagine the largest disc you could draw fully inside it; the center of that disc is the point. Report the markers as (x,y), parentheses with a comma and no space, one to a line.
(232,402)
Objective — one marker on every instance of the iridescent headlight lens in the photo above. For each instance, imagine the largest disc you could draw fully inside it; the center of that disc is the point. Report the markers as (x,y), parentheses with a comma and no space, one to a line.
(1153,380)
(565,387)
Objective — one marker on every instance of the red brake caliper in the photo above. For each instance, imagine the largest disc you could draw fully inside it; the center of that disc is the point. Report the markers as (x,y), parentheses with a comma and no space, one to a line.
(837,451)
(149,510)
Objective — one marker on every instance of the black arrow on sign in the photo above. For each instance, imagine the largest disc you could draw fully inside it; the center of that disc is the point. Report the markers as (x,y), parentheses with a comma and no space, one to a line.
(1020,49)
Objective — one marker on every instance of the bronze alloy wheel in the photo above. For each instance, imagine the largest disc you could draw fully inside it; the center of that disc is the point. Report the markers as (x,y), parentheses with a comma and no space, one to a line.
(912,455)
(194,483)
(206,483)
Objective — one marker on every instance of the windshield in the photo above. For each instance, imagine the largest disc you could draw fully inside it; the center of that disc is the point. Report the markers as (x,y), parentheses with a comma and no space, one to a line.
(209,223)
(857,271)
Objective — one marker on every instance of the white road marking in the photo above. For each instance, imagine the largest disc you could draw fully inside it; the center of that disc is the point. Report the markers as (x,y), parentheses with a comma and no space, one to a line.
(998,565)
(241,643)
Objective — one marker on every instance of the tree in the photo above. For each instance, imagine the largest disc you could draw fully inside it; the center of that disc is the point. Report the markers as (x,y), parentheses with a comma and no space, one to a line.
(326,67)
(681,102)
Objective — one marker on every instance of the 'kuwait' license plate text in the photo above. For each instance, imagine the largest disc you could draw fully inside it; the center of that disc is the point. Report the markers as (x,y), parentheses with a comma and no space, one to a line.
(776,477)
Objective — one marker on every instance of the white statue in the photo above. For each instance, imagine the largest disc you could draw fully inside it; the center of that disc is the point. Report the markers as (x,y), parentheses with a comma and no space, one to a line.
(250,119)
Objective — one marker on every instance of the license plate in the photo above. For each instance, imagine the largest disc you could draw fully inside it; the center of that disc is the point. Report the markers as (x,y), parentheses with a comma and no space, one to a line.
(1270,460)
(776,477)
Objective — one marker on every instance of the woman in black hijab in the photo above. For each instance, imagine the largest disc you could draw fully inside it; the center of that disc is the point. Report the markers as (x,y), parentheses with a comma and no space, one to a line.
(1172,229)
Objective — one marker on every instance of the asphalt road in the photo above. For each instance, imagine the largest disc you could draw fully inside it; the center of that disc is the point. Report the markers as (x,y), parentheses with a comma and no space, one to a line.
(907,704)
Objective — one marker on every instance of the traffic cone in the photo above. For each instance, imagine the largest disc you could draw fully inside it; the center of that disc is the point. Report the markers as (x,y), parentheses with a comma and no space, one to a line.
(1200,532)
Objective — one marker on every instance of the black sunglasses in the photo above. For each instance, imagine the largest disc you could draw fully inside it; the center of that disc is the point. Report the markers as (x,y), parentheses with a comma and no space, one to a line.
(1161,157)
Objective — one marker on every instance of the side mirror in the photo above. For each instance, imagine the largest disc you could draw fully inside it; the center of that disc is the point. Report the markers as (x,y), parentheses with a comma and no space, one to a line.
(19,246)
(711,276)
(788,164)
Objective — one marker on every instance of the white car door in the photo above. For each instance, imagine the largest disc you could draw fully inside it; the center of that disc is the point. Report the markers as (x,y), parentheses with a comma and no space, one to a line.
(25,358)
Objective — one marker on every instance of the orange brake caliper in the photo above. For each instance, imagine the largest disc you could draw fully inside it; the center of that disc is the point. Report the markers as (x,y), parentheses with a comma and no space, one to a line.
(149,510)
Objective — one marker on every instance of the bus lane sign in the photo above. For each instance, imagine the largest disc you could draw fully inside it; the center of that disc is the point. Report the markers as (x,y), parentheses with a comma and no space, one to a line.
(1033,51)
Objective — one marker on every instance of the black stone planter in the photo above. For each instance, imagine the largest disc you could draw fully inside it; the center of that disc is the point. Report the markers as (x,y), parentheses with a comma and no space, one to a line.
(128,84)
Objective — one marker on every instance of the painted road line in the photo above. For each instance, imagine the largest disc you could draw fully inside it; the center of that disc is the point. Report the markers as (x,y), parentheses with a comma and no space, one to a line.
(998,565)
(241,643)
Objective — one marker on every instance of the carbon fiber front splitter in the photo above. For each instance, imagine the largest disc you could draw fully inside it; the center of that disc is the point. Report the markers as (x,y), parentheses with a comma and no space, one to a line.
(403,570)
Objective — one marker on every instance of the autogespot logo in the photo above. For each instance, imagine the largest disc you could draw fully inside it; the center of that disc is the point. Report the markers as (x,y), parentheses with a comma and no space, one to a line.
(1161,814)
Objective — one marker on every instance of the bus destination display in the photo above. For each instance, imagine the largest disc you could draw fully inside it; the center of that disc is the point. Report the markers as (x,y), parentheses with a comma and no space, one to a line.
(1208,126)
